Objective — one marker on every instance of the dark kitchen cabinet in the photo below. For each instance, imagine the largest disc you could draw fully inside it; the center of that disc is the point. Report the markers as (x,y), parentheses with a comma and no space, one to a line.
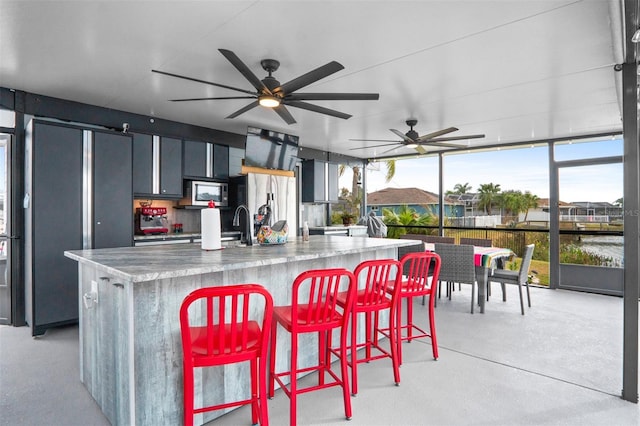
(112,194)
(171,167)
(163,155)
(64,213)
(220,162)
(205,160)
(313,188)
(53,222)
(142,164)
(319,181)
(195,159)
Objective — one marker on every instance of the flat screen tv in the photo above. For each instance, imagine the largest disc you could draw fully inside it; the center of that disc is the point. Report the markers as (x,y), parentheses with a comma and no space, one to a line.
(270,150)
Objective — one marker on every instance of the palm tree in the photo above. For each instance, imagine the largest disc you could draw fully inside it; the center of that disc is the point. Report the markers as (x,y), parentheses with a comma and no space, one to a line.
(461,188)
(488,196)
(407,217)
(531,202)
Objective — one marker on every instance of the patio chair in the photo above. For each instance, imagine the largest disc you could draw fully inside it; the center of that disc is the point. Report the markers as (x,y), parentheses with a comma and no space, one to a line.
(518,278)
(478,242)
(429,238)
(457,267)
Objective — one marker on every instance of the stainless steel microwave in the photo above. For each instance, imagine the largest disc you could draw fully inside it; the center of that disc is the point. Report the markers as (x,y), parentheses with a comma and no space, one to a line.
(199,193)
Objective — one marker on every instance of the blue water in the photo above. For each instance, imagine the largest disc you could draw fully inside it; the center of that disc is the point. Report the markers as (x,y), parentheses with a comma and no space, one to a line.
(609,246)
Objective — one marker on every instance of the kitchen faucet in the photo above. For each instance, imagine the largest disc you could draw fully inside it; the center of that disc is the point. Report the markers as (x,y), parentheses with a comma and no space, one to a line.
(236,222)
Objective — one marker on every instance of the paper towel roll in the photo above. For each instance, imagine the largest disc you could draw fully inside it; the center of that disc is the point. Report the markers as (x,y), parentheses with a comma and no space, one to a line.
(210,229)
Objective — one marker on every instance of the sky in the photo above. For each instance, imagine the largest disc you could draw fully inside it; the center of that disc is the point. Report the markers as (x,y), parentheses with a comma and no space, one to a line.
(524,169)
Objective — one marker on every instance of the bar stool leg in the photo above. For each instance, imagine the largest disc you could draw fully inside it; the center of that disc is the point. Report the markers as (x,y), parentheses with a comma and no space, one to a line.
(409,318)
(399,328)
(345,374)
(272,359)
(354,353)
(432,330)
(293,388)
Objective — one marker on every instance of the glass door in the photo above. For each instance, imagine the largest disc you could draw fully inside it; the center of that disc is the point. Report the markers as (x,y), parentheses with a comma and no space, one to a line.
(5,229)
(591,227)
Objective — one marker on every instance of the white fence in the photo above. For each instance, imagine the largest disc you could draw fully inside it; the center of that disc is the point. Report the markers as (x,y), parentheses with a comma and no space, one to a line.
(584,218)
(476,221)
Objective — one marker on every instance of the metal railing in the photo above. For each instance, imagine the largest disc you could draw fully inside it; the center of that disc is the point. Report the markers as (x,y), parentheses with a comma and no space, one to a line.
(513,238)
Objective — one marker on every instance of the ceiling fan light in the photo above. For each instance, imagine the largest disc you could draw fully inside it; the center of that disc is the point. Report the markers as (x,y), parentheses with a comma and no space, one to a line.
(412,145)
(269,101)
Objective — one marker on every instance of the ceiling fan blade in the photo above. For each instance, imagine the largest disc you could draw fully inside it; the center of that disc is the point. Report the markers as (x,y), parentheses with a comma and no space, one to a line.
(333,96)
(204,82)
(284,113)
(440,145)
(432,135)
(439,141)
(420,149)
(245,71)
(389,150)
(244,109)
(316,108)
(373,146)
(402,135)
(456,138)
(211,99)
(375,140)
(310,77)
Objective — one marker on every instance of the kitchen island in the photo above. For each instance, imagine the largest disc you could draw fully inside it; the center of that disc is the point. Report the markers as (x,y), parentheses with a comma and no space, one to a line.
(130,348)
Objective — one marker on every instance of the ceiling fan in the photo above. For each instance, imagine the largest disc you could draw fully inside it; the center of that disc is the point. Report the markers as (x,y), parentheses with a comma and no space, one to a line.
(271,94)
(412,140)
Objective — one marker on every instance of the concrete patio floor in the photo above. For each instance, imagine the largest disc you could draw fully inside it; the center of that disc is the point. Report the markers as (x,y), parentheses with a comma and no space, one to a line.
(559,364)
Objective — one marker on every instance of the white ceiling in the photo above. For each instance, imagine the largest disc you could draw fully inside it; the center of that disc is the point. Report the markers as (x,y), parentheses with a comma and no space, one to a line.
(513,70)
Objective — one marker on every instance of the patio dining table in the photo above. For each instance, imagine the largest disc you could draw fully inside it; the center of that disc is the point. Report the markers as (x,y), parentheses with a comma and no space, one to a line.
(485,259)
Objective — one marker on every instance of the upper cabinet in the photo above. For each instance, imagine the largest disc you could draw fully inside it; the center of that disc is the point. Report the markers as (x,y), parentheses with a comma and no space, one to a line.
(332,182)
(170,167)
(142,164)
(157,166)
(195,159)
(319,181)
(205,160)
(220,162)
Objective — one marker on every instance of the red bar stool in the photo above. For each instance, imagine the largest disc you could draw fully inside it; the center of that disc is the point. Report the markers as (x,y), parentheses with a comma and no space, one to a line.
(379,293)
(422,270)
(228,324)
(314,309)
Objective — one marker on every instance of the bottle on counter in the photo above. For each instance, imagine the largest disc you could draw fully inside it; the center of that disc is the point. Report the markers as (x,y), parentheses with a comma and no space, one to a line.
(305,232)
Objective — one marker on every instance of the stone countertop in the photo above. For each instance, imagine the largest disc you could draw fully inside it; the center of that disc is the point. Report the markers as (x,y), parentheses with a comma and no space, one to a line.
(138,264)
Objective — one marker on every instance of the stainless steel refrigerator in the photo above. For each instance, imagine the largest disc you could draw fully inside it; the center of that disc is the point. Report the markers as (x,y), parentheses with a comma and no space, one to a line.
(279,192)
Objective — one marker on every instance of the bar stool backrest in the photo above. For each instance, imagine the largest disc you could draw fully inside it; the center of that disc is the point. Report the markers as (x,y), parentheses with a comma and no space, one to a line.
(421,267)
(314,298)
(379,275)
(226,324)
